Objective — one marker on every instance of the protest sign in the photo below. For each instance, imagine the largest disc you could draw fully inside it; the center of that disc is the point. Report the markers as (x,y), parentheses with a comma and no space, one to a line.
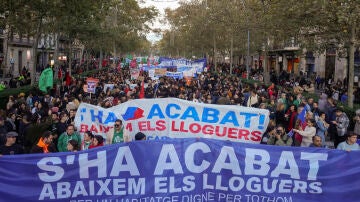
(135,72)
(176,118)
(160,72)
(183,170)
(91,84)
(108,86)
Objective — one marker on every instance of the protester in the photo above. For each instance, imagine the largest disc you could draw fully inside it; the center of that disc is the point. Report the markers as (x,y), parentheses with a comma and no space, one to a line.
(221,88)
(140,136)
(72,146)
(279,137)
(357,122)
(322,126)
(10,122)
(307,133)
(98,141)
(45,144)
(350,143)
(342,123)
(87,140)
(316,141)
(290,116)
(116,134)
(10,147)
(69,134)
(3,131)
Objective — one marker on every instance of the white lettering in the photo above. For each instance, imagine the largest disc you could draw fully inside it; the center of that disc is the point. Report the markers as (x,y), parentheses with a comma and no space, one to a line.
(47,192)
(262,162)
(286,158)
(233,164)
(168,150)
(313,159)
(79,189)
(99,162)
(58,171)
(63,190)
(138,188)
(160,184)
(190,154)
(130,166)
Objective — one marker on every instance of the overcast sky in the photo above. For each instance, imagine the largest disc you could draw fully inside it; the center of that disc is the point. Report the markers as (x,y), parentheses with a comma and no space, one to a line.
(161,5)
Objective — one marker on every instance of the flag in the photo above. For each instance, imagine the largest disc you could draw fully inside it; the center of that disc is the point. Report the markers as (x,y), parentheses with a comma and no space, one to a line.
(302,116)
(60,73)
(156,88)
(290,133)
(68,79)
(46,79)
(142,93)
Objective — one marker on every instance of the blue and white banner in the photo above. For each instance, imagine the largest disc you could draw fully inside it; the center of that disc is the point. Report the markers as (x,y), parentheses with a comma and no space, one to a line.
(183,170)
(175,118)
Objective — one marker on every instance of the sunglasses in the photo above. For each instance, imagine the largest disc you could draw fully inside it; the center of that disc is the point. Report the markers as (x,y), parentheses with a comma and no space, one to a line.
(11,136)
(116,125)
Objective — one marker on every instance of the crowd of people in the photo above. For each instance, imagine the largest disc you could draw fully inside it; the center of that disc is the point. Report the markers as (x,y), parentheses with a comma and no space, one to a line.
(44,122)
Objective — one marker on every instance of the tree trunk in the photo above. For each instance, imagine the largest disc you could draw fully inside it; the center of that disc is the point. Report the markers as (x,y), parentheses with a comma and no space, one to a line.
(88,60)
(56,51)
(266,73)
(231,53)
(6,59)
(248,56)
(70,55)
(35,47)
(215,66)
(351,68)
(100,59)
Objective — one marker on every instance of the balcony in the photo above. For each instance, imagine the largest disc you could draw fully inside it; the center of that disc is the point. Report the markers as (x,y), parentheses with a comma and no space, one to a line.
(21,42)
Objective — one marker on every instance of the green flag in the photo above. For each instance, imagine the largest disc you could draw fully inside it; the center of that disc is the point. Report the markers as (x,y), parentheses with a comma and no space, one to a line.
(46,79)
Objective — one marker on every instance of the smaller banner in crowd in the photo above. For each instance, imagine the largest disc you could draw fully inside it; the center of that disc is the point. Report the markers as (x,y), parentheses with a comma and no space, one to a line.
(175,118)
(134,73)
(160,72)
(91,85)
(108,86)
(183,170)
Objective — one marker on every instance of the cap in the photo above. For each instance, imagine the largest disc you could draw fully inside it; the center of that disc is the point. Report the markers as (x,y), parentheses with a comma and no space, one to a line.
(12,134)
(140,136)
(21,94)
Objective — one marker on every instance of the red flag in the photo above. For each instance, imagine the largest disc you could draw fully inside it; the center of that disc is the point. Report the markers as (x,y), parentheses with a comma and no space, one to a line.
(142,93)
(60,73)
(68,79)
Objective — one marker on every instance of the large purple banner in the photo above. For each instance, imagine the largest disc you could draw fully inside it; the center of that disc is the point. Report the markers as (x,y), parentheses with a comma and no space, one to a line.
(183,170)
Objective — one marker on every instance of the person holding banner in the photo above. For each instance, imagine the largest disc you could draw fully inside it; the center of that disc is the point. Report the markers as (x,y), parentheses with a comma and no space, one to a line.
(116,134)
(350,143)
(69,134)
